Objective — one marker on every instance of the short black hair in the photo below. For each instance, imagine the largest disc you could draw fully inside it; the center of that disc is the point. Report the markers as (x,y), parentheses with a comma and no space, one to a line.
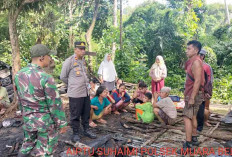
(142,84)
(122,84)
(148,95)
(100,90)
(94,80)
(119,80)
(196,44)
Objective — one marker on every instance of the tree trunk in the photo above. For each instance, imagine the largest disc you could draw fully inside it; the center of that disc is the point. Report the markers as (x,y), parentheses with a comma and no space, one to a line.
(227,13)
(70,5)
(14,44)
(90,30)
(120,24)
(115,25)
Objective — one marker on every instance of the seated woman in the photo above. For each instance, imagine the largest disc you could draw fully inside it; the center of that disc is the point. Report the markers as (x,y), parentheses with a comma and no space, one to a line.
(122,99)
(100,106)
(4,100)
(147,115)
(119,81)
(165,109)
(139,94)
(93,88)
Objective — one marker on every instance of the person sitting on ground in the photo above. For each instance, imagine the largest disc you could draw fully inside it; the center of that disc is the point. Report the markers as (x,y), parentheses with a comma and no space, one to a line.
(148,115)
(139,93)
(100,106)
(165,109)
(119,81)
(93,88)
(4,99)
(122,99)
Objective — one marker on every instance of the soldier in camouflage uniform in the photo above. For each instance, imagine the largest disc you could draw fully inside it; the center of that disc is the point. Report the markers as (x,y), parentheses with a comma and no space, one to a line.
(40,104)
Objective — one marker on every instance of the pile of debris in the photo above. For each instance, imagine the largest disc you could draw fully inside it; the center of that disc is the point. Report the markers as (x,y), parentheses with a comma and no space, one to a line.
(123,135)
(6,79)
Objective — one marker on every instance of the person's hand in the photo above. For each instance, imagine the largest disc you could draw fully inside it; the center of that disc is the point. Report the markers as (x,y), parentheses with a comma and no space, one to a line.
(207,96)
(108,93)
(63,130)
(191,102)
(156,94)
(154,79)
(101,81)
(95,107)
(123,93)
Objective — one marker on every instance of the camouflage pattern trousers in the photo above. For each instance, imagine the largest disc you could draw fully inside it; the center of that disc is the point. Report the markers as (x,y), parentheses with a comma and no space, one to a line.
(41,144)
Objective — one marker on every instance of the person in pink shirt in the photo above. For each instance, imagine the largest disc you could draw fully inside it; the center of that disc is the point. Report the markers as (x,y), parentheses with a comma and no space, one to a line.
(140,92)
(158,73)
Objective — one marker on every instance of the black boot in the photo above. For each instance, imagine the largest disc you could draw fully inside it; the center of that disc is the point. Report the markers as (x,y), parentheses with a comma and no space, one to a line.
(187,148)
(89,134)
(195,141)
(22,155)
(75,137)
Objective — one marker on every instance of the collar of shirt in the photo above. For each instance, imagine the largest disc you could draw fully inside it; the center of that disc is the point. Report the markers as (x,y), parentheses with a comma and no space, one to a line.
(34,65)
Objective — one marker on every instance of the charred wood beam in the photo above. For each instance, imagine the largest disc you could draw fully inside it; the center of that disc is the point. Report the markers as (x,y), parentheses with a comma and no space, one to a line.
(153,138)
(178,128)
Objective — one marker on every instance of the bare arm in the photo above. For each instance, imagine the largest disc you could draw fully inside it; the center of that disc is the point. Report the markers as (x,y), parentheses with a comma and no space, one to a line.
(197,72)
(111,99)
(155,99)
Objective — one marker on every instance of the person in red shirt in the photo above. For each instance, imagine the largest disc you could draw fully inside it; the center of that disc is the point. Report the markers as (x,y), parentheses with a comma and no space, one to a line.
(193,94)
(203,113)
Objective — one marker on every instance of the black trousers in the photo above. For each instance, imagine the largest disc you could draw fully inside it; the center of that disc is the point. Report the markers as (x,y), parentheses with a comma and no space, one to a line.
(79,107)
(200,116)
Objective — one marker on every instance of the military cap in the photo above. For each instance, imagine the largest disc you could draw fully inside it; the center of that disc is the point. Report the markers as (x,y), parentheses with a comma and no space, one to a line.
(40,50)
(79,44)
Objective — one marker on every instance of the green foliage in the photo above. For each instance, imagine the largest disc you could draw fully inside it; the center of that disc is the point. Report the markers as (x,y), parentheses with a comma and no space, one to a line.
(223,88)
(149,30)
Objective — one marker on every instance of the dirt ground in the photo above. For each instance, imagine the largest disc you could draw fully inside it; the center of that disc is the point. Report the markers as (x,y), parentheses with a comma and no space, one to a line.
(122,136)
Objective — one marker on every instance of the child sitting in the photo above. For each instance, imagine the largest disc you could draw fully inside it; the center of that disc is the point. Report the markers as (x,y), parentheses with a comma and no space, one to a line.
(165,109)
(100,106)
(148,115)
(139,94)
(122,99)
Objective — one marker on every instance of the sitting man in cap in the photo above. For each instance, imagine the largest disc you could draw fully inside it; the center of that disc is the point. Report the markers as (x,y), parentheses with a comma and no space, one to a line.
(165,109)
(4,99)
(41,106)
(74,74)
